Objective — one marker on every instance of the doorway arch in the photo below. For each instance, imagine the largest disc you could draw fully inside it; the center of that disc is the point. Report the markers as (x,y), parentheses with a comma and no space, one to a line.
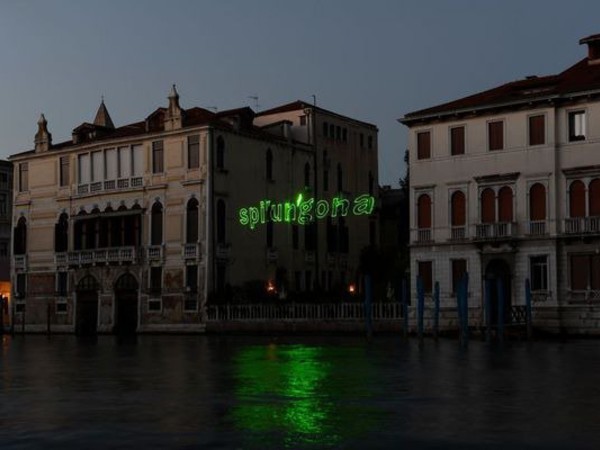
(498,272)
(126,304)
(86,320)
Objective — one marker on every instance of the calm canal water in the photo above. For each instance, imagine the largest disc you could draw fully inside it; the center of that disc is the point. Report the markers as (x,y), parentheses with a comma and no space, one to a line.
(239,392)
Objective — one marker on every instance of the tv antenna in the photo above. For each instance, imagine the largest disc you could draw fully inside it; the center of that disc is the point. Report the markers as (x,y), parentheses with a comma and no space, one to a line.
(255,98)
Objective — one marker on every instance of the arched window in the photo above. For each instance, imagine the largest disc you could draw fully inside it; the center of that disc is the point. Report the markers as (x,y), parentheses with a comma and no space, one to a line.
(458,205)
(505,205)
(156,224)
(269,164)
(221,221)
(340,183)
(61,233)
(488,206)
(220,152)
(537,202)
(577,199)
(594,197)
(307,174)
(191,221)
(424,211)
(20,243)
(88,283)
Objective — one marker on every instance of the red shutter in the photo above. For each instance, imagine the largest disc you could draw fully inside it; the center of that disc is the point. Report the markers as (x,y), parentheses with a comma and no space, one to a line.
(594,197)
(488,206)
(425,272)
(577,199)
(424,211)
(537,202)
(496,135)
(457,141)
(505,205)
(424,145)
(458,209)
(537,130)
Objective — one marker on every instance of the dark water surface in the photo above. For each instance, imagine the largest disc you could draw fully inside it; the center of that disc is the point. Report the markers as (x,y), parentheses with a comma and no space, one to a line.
(296,392)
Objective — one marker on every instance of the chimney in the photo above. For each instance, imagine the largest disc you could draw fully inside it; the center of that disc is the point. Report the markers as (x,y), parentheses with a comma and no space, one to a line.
(593,43)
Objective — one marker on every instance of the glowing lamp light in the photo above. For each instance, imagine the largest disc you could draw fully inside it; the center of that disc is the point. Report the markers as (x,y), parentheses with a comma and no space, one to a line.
(271,287)
(351,288)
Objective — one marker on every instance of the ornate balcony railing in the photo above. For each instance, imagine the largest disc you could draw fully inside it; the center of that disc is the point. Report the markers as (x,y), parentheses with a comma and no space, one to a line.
(424,235)
(154,253)
(116,255)
(458,233)
(581,225)
(537,228)
(499,230)
(110,185)
(20,262)
(192,251)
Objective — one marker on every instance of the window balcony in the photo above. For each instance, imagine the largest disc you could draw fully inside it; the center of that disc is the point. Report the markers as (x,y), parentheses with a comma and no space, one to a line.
(424,235)
(536,228)
(61,259)
(495,231)
(154,253)
(113,255)
(458,233)
(20,262)
(110,185)
(192,252)
(582,225)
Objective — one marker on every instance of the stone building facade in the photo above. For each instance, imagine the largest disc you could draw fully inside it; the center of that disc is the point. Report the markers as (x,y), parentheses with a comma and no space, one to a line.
(505,185)
(135,228)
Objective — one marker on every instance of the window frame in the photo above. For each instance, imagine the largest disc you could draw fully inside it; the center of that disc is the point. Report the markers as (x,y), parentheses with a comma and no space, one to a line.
(158,157)
(64,168)
(545,275)
(420,153)
(451,140)
(530,130)
(571,136)
(489,125)
(23,177)
(193,152)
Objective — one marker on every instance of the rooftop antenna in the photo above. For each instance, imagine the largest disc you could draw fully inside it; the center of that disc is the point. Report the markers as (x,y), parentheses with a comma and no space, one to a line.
(255,98)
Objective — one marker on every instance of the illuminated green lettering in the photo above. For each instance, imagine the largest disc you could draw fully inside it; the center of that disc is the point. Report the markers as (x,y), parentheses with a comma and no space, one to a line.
(363,205)
(304,215)
(321,209)
(340,204)
(244,216)
(264,207)
(254,217)
(289,212)
(276,212)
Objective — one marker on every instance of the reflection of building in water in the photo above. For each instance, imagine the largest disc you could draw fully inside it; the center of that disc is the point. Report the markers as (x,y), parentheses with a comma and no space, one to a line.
(134,228)
(505,184)
(5,234)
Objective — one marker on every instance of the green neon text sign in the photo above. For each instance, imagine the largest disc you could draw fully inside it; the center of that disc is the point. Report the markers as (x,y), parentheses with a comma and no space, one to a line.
(305,210)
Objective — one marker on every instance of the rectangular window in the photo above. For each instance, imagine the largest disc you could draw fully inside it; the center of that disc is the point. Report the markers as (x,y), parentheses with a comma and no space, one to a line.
(426,274)
(97,166)
(61,284)
(3,205)
(362,140)
(137,157)
(423,145)
(496,135)
(585,272)
(23,177)
(308,280)
(64,171)
(155,280)
(576,126)
(457,141)
(345,135)
(193,152)
(191,278)
(338,133)
(124,162)
(370,142)
(537,130)
(539,273)
(111,164)
(84,168)
(459,268)
(21,288)
(157,157)
(302,121)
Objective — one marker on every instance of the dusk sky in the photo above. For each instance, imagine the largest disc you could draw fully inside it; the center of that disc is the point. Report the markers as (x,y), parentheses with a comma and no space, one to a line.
(373,61)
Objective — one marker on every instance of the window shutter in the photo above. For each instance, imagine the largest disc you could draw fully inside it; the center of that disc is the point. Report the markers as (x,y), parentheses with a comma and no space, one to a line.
(458,209)
(577,199)
(537,202)
(457,141)
(505,205)
(594,196)
(488,206)
(424,145)
(496,135)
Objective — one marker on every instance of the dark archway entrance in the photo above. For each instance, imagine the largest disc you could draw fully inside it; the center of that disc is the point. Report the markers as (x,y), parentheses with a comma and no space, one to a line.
(497,273)
(86,321)
(126,305)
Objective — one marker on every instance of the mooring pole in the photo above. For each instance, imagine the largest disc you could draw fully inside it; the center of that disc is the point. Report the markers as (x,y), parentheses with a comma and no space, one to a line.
(528,308)
(500,309)
(405,306)
(459,309)
(48,318)
(420,306)
(488,309)
(436,311)
(368,302)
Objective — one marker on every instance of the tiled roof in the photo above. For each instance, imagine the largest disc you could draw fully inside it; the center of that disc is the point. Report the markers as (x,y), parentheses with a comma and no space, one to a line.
(581,77)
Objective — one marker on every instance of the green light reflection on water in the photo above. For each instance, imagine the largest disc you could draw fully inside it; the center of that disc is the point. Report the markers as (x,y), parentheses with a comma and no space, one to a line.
(293,391)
